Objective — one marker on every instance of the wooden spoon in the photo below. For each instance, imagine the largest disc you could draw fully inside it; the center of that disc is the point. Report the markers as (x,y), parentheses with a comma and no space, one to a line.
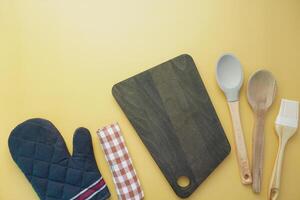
(261,92)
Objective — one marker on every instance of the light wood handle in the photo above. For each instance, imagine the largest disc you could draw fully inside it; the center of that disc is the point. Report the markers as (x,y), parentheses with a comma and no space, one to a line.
(258,150)
(240,145)
(275,180)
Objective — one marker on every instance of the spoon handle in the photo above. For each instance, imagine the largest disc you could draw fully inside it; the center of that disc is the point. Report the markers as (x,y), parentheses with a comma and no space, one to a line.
(240,143)
(258,150)
(275,180)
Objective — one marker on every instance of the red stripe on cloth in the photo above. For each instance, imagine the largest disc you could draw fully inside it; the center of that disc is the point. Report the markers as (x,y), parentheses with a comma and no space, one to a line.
(91,191)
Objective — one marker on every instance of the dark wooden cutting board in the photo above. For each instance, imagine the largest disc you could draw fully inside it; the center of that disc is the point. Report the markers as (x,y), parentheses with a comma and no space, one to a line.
(171,111)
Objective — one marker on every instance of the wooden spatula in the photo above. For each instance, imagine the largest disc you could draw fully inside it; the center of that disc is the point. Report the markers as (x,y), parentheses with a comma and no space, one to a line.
(261,93)
(286,125)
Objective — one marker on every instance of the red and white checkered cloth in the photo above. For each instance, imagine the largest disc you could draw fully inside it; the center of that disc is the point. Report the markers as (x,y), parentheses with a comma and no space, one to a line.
(124,175)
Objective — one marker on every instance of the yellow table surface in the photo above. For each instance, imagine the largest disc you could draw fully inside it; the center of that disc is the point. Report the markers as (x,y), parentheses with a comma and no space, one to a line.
(59,60)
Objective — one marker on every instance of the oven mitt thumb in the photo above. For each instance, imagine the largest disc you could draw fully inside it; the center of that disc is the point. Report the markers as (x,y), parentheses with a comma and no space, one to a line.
(41,153)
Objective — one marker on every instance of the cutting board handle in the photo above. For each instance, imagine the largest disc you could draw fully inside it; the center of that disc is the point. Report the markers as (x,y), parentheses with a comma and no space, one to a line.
(184,184)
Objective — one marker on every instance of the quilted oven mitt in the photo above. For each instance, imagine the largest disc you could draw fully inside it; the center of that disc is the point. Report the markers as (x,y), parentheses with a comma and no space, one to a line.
(41,153)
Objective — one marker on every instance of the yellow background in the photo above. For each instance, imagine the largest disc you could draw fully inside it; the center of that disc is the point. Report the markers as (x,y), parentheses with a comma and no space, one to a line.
(60,58)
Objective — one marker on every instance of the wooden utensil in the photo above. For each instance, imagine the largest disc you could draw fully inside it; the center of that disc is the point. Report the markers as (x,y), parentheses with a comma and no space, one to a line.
(229,75)
(171,111)
(286,125)
(261,92)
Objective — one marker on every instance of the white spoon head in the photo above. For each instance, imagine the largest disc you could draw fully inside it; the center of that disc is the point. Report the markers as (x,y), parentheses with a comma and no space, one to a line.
(229,75)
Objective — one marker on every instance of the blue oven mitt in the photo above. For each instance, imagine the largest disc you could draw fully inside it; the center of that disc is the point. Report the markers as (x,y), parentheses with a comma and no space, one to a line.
(41,153)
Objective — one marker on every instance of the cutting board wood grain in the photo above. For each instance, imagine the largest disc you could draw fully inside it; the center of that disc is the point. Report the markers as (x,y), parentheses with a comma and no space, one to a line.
(171,111)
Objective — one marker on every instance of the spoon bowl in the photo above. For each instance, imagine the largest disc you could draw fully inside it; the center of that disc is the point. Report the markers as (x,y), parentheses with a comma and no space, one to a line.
(230,76)
(261,90)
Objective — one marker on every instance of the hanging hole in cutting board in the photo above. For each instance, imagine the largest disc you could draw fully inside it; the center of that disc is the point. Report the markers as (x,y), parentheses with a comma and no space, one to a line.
(183,181)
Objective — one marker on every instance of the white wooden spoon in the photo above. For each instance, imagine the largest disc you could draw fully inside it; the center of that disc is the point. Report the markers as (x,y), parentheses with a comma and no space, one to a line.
(230,79)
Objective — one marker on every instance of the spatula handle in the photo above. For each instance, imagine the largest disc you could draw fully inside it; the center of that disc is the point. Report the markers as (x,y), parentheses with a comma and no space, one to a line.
(241,149)
(258,150)
(275,180)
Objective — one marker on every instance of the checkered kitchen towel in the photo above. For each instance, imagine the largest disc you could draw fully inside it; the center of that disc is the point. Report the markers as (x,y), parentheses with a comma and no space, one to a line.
(124,175)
